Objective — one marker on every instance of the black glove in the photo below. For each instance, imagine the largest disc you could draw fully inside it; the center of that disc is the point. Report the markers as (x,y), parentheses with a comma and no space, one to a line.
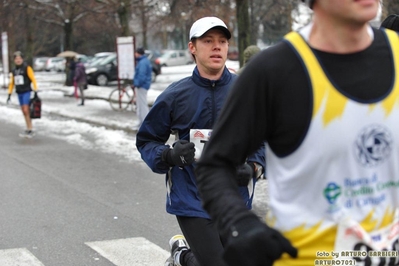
(252,242)
(182,153)
(244,173)
(8,99)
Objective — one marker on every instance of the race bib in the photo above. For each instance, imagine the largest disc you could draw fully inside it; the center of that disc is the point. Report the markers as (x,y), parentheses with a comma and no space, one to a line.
(199,137)
(19,80)
(379,247)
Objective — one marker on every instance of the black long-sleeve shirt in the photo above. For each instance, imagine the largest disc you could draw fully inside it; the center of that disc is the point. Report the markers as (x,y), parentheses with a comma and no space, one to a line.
(272,101)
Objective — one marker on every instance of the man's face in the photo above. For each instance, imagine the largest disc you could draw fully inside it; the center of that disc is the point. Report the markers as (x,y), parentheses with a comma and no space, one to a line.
(354,11)
(18,60)
(210,50)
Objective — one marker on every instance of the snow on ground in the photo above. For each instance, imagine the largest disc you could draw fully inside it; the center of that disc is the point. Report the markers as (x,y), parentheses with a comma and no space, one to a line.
(95,126)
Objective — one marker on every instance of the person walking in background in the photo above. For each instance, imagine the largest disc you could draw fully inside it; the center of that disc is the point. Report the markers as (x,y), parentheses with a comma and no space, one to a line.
(80,80)
(141,83)
(71,63)
(249,52)
(21,77)
(188,109)
(326,101)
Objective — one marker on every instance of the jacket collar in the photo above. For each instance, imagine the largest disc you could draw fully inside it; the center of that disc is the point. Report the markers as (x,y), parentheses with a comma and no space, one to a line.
(141,57)
(204,82)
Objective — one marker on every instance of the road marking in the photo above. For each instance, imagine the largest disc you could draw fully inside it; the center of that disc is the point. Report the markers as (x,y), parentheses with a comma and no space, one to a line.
(136,251)
(18,257)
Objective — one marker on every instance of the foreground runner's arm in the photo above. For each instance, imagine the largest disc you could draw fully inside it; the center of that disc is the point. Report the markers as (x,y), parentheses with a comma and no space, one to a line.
(247,106)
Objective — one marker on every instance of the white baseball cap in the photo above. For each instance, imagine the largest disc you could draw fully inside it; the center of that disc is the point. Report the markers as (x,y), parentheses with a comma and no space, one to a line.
(204,24)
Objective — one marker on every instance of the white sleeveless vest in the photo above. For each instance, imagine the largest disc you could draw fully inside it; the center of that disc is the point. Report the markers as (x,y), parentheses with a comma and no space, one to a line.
(339,191)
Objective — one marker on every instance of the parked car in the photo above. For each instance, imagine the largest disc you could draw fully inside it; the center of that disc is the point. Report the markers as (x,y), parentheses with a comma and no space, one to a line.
(39,64)
(83,58)
(103,71)
(156,66)
(175,58)
(98,57)
(55,64)
(105,68)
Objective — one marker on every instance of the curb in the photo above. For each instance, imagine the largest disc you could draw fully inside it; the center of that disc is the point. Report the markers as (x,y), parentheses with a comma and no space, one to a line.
(114,127)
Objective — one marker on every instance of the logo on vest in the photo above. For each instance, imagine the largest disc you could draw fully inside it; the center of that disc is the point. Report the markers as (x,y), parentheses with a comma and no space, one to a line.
(332,192)
(373,145)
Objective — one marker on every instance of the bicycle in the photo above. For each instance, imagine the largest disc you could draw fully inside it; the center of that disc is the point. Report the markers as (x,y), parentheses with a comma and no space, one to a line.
(121,98)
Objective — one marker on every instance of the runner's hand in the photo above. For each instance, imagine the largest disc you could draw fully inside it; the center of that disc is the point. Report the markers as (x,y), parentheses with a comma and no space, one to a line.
(252,242)
(8,99)
(182,153)
(244,173)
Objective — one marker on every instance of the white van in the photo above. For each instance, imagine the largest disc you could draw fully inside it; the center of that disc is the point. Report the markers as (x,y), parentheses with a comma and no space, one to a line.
(175,58)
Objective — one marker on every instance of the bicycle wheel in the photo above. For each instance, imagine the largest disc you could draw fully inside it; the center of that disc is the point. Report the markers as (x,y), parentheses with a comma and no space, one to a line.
(119,99)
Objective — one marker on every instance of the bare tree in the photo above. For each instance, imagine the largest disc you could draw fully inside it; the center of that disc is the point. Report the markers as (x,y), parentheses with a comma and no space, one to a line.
(143,10)
(243,24)
(176,17)
(46,27)
(24,31)
(64,14)
(389,7)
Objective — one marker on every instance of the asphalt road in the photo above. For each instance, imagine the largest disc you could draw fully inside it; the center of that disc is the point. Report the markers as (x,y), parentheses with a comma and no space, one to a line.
(60,204)
(63,204)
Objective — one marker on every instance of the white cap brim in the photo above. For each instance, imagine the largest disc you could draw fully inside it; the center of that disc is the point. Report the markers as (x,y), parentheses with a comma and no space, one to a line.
(201,26)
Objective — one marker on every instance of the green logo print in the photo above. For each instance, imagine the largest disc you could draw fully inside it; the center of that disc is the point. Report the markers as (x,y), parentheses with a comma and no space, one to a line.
(331,192)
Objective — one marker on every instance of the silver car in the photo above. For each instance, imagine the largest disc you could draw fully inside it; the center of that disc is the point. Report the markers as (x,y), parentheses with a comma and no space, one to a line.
(39,64)
(56,64)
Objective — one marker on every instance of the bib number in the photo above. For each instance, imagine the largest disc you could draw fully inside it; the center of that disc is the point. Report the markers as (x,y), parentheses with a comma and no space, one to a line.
(200,138)
(380,246)
(19,80)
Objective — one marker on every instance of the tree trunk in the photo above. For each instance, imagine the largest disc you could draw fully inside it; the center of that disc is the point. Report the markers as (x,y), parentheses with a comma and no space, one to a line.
(68,40)
(144,23)
(243,26)
(123,15)
(29,37)
(253,23)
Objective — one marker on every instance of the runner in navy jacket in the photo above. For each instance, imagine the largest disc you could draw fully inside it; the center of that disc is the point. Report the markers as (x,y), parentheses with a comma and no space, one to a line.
(192,103)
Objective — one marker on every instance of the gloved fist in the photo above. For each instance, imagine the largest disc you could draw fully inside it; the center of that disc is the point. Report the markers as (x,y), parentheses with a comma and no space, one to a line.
(244,173)
(182,153)
(252,242)
(8,99)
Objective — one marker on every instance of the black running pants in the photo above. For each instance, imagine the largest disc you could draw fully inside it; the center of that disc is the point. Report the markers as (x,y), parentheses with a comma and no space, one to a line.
(206,246)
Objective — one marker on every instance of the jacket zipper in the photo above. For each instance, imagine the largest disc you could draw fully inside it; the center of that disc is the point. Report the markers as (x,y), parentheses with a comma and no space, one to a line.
(213,104)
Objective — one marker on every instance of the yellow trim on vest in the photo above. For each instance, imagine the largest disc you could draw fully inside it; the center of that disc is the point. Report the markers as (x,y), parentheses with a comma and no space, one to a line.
(325,93)
(393,98)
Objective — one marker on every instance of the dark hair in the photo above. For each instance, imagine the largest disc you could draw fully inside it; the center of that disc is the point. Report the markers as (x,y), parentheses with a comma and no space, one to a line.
(391,22)
(140,50)
(18,53)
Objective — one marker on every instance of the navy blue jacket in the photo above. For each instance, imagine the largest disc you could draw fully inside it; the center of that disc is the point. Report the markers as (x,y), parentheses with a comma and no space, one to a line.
(191,103)
(142,74)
